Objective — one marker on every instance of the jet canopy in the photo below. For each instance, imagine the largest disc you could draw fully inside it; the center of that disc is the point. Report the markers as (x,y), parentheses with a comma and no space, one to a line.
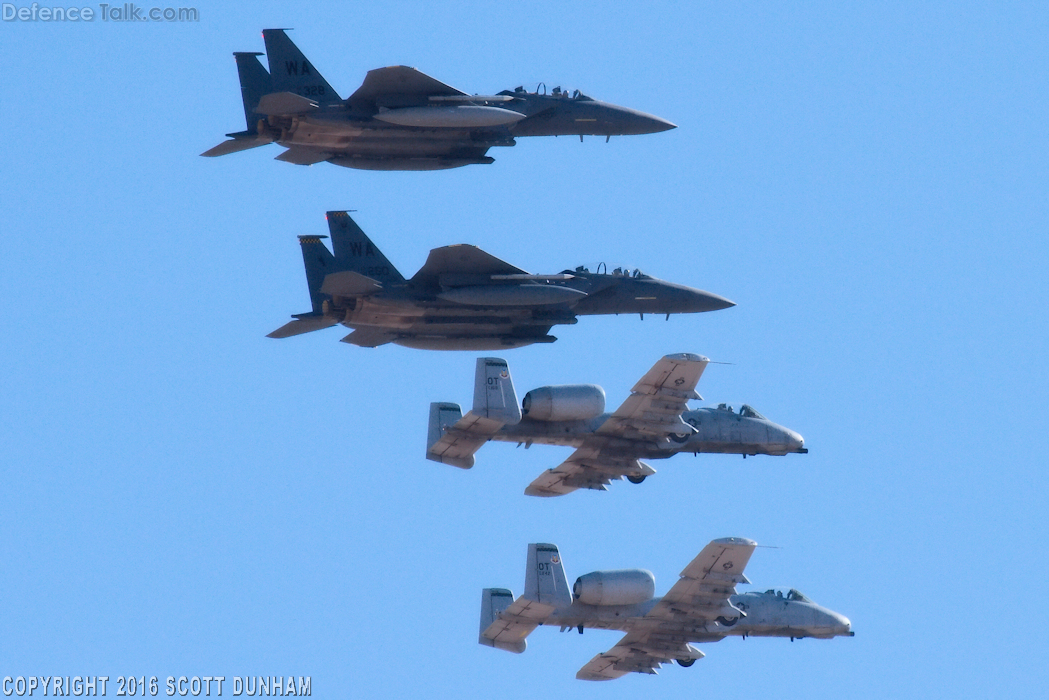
(746,411)
(792,594)
(749,412)
(602,269)
(540,89)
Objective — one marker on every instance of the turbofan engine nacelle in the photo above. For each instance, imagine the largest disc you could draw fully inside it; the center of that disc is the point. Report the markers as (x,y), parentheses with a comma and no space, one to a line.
(623,587)
(566,402)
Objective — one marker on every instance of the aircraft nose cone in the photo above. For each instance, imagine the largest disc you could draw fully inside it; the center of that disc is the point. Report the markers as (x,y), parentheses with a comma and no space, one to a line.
(656,124)
(796,443)
(631,121)
(642,123)
(843,626)
(712,302)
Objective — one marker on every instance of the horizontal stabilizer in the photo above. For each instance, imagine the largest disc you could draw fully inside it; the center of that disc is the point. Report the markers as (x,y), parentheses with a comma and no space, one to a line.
(369,337)
(513,624)
(493,602)
(349,284)
(304,156)
(302,325)
(456,443)
(234,145)
(284,104)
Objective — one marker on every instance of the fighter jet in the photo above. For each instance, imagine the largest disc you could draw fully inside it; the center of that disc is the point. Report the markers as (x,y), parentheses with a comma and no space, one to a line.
(653,423)
(702,606)
(400,118)
(464,298)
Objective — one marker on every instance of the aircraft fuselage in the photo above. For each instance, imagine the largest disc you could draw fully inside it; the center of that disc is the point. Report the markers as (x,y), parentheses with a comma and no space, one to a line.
(718,430)
(768,614)
(487,314)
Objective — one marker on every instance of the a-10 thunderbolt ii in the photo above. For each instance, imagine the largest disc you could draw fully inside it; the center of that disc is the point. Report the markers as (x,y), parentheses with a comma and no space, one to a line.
(703,606)
(400,118)
(653,423)
(464,298)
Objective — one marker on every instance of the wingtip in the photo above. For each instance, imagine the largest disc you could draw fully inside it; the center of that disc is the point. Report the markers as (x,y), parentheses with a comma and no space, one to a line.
(736,541)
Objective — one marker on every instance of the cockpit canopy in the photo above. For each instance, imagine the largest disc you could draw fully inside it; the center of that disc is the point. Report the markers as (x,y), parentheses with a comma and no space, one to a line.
(540,89)
(749,412)
(746,411)
(792,594)
(602,269)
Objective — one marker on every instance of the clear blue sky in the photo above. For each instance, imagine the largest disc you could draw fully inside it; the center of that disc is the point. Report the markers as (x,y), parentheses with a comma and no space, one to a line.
(183,496)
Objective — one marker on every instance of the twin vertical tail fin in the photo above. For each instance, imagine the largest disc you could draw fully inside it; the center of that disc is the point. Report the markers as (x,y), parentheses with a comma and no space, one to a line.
(454,438)
(505,622)
(290,71)
(319,264)
(545,580)
(356,269)
(254,83)
(493,602)
(355,252)
(494,394)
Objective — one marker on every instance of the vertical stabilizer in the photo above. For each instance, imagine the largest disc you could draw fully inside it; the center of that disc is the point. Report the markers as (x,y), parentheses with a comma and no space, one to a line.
(494,395)
(291,72)
(254,83)
(355,251)
(442,417)
(545,580)
(493,602)
(319,263)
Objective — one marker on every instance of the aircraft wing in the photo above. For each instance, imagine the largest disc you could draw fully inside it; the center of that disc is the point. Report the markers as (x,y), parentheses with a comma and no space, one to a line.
(699,598)
(589,467)
(637,652)
(399,81)
(653,409)
(462,259)
(652,413)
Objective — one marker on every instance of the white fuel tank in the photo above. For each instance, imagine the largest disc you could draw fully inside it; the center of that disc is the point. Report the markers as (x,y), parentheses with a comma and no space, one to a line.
(460,116)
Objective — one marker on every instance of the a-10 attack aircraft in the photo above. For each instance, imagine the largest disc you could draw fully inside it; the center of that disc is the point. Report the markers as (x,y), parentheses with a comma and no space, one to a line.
(400,118)
(464,298)
(653,423)
(703,606)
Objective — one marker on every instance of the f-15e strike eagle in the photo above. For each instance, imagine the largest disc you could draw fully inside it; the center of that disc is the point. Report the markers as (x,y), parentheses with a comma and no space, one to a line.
(653,423)
(400,118)
(463,298)
(703,606)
